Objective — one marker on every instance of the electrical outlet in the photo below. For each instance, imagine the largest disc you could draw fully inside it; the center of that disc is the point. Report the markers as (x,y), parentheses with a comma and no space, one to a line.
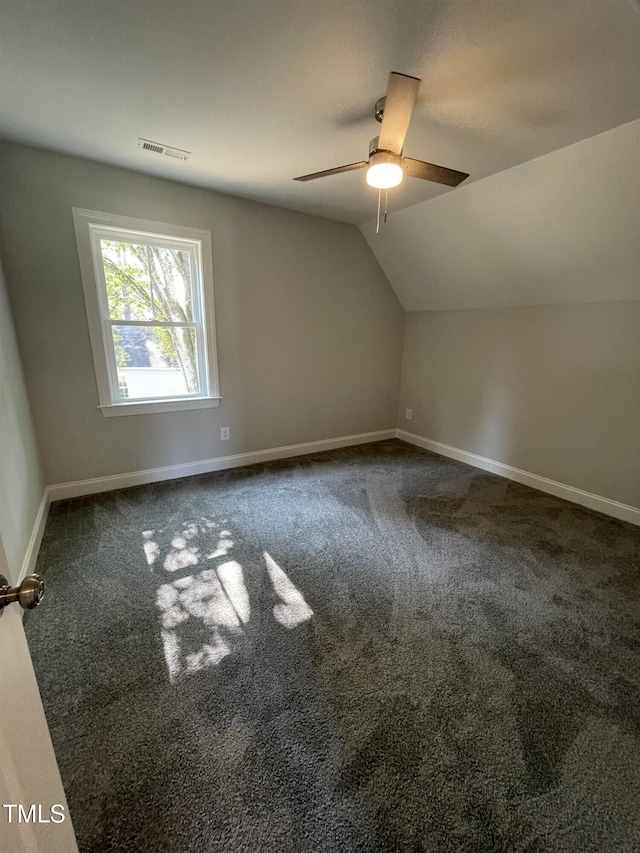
(224,433)
(409,414)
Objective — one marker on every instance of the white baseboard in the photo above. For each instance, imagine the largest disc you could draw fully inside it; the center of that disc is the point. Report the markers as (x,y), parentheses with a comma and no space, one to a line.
(219,463)
(31,555)
(560,490)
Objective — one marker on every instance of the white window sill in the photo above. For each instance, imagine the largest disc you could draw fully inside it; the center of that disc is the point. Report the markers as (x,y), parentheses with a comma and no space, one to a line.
(152,407)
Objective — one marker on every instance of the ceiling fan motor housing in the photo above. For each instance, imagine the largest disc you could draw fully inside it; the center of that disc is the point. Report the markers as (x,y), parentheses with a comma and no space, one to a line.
(379,155)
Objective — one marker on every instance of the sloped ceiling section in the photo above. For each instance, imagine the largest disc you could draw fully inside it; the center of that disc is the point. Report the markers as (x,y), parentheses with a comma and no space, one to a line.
(559,229)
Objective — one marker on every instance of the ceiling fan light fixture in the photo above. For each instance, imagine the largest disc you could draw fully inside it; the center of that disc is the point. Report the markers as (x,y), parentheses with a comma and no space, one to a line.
(385,170)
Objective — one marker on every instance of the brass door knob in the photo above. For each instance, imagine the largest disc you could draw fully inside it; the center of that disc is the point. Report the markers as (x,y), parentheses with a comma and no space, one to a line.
(28,595)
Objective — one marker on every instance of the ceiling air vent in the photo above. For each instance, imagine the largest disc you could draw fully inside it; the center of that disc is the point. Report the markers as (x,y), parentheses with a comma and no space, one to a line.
(159,148)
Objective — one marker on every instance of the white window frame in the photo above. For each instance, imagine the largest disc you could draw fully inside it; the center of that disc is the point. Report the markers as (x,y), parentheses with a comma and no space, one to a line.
(91,226)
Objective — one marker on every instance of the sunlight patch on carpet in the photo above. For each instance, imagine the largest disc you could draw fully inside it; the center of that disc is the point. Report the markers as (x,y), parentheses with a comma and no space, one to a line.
(203,614)
(292,610)
(201,600)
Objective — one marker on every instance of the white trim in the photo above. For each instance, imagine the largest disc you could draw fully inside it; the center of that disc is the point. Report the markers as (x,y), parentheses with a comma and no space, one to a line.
(618,510)
(35,540)
(89,226)
(152,407)
(62,491)
(218,463)
(145,226)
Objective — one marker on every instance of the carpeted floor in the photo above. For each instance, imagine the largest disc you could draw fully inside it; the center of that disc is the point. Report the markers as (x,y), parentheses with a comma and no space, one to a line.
(370,649)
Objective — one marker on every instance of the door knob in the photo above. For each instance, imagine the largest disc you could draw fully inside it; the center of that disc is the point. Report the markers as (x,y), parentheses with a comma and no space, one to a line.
(28,595)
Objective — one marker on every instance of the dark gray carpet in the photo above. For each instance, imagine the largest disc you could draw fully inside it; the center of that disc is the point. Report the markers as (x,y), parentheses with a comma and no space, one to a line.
(371,649)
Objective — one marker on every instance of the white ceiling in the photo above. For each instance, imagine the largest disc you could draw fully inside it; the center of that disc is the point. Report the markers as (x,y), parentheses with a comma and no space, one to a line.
(261,90)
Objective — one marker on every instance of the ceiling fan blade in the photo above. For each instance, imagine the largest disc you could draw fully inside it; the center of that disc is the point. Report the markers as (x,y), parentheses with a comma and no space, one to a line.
(402,92)
(336,171)
(430,172)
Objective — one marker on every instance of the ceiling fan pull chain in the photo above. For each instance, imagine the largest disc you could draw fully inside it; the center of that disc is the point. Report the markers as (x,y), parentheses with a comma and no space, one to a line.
(378,217)
(386,196)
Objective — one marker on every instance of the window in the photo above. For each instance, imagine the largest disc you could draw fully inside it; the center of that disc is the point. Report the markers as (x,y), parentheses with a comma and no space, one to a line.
(149,295)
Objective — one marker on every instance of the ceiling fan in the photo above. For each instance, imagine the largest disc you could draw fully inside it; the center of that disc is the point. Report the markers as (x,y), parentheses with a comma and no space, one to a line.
(386,165)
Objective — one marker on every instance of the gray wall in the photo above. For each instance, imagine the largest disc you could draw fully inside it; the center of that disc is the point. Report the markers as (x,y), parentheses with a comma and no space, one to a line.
(553,390)
(309,330)
(21,483)
(544,373)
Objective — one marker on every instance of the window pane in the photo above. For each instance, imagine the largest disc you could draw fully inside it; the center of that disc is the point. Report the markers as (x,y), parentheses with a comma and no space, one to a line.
(155,362)
(127,278)
(147,282)
(171,288)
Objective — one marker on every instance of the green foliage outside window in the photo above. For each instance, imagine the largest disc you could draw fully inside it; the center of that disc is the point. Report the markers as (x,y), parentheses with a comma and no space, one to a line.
(153,283)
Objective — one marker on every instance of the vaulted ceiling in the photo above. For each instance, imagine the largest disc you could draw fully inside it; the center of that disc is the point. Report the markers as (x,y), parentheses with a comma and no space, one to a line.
(560,229)
(263,90)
